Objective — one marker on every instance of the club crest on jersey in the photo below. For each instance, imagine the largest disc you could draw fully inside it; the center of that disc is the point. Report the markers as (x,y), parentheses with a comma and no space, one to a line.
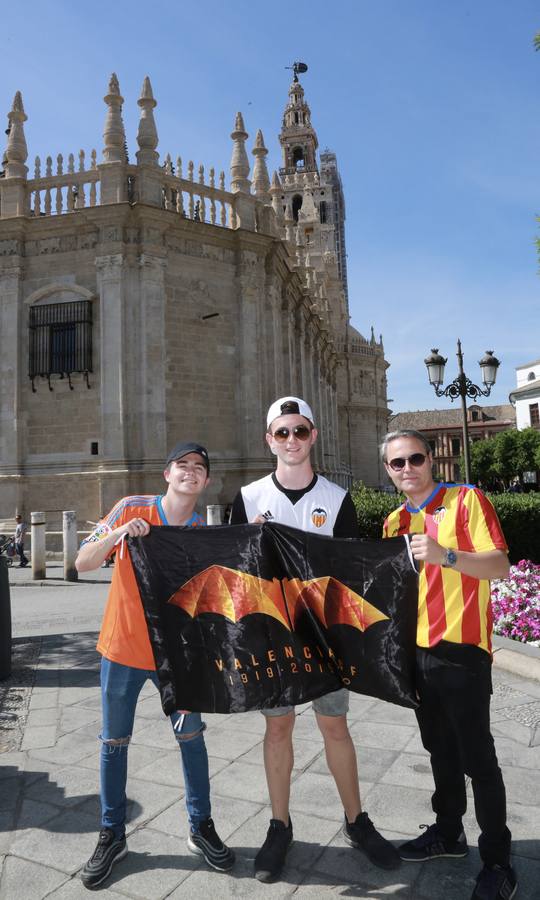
(439,514)
(319,516)
(99,533)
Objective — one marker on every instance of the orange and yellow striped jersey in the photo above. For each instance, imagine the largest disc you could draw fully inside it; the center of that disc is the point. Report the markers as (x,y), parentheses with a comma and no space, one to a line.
(452,606)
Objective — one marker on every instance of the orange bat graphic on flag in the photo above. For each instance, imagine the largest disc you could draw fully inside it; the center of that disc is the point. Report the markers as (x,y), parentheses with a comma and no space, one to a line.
(235,594)
(231,594)
(331,601)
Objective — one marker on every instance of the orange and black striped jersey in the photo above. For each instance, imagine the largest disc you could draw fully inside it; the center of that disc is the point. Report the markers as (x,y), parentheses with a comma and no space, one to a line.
(452,606)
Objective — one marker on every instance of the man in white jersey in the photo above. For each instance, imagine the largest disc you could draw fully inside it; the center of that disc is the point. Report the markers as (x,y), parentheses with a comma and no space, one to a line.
(295,495)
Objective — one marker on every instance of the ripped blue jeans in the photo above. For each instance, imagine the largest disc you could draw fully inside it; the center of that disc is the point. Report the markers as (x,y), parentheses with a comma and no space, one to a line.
(120,689)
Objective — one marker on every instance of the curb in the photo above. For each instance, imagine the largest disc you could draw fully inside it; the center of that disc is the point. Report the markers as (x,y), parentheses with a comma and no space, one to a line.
(516,657)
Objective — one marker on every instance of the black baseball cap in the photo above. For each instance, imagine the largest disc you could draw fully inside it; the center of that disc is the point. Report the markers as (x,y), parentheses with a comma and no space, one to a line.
(185,447)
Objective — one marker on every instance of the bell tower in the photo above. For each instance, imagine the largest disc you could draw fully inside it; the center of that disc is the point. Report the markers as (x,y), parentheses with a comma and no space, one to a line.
(309,199)
(298,138)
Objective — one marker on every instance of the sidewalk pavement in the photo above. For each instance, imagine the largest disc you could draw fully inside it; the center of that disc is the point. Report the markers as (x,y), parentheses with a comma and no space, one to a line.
(49,801)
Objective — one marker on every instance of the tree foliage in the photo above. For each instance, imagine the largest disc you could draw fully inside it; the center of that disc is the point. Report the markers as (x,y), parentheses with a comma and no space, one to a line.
(536,42)
(506,456)
(372,508)
(499,460)
(519,515)
(482,463)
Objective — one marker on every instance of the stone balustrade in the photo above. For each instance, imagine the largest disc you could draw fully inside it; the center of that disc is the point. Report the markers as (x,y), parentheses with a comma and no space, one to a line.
(363,348)
(73,186)
(194,199)
(62,192)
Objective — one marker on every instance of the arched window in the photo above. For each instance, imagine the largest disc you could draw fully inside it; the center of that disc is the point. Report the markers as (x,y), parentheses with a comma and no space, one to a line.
(322,212)
(298,157)
(531,376)
(296,205)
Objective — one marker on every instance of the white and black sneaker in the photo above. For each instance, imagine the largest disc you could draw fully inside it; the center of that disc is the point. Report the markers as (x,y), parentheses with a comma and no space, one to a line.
(205,841)
(432,845)
(108,851)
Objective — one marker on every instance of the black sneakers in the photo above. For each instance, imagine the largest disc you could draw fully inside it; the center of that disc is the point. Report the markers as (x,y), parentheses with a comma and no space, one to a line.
(205,841)
(363,835)
(495,883)
(271,857)
(108,851)
(432,845)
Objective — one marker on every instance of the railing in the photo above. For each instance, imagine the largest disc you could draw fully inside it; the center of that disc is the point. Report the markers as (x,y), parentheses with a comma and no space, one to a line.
(342,476)
(195,199)
(61,192)
(294,170)
(367,349)
(291,177)
(64,191)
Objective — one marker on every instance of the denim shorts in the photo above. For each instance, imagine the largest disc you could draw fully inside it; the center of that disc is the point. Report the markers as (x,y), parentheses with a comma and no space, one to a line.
(334,704)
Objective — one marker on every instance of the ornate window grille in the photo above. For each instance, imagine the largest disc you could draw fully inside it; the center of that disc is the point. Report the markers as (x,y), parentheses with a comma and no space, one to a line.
(60,341)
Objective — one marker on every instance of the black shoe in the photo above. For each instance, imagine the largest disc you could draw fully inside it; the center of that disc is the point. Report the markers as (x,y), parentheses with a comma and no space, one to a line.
(495,883)
(432,844)
(363,835)
(271,857)
(205,841)
(108,851)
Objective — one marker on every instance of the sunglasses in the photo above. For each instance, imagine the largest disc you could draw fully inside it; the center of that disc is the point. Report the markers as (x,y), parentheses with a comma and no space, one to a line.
(302,432)
(416,460)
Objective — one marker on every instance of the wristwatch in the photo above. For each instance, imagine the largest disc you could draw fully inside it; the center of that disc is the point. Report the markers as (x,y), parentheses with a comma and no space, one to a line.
(450,559)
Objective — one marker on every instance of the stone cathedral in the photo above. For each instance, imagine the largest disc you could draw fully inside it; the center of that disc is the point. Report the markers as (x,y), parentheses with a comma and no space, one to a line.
(144,302)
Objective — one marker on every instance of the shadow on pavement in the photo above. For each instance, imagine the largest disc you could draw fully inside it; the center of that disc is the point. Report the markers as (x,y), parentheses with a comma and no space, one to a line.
(35,790)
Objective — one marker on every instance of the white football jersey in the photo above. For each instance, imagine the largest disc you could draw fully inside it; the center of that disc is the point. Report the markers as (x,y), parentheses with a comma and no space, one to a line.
(317,510)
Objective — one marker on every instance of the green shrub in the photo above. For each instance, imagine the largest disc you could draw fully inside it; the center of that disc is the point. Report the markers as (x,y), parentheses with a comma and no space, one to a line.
(519,515)
(372,508)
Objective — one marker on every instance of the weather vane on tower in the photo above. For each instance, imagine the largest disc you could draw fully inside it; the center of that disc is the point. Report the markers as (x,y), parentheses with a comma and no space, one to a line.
(298,67)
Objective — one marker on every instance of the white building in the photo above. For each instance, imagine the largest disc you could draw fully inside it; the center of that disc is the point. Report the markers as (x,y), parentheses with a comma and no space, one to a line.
(526,396)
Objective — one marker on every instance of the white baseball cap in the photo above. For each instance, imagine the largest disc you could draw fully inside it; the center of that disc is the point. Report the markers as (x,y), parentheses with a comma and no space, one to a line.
(287,406)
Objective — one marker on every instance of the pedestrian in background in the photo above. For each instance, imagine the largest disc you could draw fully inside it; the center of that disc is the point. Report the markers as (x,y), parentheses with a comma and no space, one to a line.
(20,533)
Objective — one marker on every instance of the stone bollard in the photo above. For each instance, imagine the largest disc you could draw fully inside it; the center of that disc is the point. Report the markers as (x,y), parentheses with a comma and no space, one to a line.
(214,514)
(69,534)
(39,566)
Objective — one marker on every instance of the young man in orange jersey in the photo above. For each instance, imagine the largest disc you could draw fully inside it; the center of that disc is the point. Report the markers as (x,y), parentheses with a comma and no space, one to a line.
(127,662)
(459,545)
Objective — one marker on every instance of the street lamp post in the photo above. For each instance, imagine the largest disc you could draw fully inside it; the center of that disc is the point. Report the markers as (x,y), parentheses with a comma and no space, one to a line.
(462,387)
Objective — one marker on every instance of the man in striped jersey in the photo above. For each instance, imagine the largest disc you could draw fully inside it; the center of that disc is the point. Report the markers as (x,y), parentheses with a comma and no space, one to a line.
(127,662)
(459,545)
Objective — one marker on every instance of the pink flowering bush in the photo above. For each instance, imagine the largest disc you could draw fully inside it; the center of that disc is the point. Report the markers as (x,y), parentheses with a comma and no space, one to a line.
(516,603)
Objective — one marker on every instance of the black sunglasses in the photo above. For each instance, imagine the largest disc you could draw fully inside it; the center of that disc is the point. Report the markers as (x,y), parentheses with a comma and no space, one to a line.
(416,460)
(302,432)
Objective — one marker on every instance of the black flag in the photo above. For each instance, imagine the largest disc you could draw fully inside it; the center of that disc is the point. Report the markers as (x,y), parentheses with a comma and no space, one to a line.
(253,616)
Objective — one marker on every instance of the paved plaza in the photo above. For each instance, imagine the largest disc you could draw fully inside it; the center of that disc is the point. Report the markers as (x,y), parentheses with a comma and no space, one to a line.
(49,809)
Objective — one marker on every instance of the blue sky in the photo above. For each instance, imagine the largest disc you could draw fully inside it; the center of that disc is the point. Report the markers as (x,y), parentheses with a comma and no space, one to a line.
(431,106)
